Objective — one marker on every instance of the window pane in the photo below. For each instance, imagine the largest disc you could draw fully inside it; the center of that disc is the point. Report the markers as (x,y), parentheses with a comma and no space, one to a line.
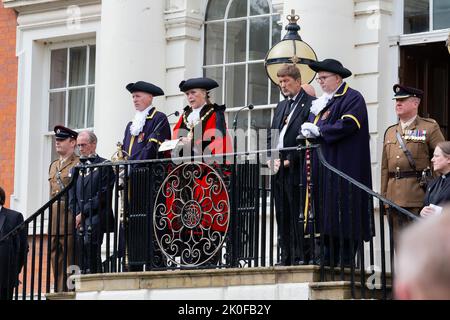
(57,110)
(276,30)
(236,41)
(259,38)
(214,43)
(216,9)
(58,69)
(92,55)
(241,129)
(235,86)
(76,108)
(91,101)
(274,93)
(238,9)
(216,74)
(417,16)
(77,71)
(261,120)
(257,84)
(441,14)
(259,7)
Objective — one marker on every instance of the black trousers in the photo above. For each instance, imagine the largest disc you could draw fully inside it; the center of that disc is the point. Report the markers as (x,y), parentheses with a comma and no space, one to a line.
(332,251)
(6,293)
(287,207)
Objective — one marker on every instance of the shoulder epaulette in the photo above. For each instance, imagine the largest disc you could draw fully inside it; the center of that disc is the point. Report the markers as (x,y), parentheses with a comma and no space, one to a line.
(49,167)
(388,129)
(429,120)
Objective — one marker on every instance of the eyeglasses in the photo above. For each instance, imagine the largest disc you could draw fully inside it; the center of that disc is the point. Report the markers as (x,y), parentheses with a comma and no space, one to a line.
(322,79)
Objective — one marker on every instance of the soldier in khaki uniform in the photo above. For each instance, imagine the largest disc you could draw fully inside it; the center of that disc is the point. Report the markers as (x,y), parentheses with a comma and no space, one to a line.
(400,178)
(59,177)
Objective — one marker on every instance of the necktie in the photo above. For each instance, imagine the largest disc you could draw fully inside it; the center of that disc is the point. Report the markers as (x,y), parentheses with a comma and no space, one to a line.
(287,111)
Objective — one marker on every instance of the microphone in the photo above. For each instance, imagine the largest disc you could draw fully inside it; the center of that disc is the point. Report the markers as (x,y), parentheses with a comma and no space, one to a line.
(249,107)
(176,114)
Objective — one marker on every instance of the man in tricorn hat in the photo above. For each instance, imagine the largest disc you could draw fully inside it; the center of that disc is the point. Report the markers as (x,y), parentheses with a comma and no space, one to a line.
(407,150)
(59,177)
(142,139)
(339,122)
(149,128)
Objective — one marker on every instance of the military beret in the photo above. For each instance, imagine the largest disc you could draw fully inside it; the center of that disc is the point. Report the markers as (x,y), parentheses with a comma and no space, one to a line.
(201,83)
(402,92)
(330,65)
(62,132)
(145,87)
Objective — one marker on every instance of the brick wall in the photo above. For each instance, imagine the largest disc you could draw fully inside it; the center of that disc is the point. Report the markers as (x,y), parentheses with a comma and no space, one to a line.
(8,94)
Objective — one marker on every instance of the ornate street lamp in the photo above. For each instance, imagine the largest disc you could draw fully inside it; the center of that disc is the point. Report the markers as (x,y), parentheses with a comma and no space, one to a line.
(292,49)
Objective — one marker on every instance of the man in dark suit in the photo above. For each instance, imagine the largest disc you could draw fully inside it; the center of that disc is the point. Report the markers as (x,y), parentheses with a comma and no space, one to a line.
(91,203)
(289,115)
(12,249)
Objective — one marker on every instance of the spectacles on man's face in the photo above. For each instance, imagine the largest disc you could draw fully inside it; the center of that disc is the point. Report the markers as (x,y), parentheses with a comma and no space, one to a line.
(323,78)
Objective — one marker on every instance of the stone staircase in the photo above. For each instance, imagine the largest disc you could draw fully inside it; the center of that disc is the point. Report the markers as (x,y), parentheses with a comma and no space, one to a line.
(264,283)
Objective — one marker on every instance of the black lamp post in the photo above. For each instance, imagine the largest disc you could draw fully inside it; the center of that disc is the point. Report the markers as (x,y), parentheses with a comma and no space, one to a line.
(292,49)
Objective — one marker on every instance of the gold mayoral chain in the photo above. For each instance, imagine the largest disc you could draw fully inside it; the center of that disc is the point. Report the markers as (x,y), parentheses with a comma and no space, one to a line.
(191,126)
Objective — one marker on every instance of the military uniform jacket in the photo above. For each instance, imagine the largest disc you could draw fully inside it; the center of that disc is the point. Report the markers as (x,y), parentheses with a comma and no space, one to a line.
(56,185)
(420,138)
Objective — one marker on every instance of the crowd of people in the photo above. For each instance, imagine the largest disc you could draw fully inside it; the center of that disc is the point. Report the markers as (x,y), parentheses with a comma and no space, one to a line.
(413,149)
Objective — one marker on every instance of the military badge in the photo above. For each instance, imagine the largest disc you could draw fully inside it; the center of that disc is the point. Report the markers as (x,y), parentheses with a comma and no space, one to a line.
(325,115)
(141,137)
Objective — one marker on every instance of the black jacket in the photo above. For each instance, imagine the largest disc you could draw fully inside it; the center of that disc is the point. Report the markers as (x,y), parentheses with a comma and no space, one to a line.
(299,116)
(13,249)
(92,196)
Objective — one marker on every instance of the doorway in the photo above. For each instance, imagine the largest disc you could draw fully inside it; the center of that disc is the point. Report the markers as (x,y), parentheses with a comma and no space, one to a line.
(427,66)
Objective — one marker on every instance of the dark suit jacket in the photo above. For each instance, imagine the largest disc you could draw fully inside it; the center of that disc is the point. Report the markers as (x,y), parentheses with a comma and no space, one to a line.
(299,116)
(13,249)
(92,196)
(438,192)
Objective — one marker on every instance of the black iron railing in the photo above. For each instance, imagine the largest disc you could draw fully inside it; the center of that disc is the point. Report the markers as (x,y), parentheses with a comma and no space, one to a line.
(210,212)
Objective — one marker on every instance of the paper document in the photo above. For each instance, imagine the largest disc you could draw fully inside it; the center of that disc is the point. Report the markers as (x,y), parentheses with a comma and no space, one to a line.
(437,209)
(168,145)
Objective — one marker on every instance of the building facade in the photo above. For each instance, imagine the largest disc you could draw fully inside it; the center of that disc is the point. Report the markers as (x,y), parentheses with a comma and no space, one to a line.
(76,56)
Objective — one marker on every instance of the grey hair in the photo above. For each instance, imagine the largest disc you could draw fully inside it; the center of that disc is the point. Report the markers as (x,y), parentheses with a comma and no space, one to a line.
(91,135)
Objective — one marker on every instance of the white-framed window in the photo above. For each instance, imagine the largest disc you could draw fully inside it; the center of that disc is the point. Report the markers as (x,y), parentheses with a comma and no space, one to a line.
(425,15)
(71,87)
(238,35)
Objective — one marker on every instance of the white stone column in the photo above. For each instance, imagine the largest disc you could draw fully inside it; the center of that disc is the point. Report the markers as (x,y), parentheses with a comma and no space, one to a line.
(131,47)
(184,24)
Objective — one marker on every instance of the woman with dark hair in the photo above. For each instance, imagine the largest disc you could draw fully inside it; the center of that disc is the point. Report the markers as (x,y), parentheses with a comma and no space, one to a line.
(438,192)
(12,249)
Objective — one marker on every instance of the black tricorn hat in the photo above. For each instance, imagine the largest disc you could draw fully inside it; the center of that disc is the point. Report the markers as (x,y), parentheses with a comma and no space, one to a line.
(330,65)
(403,92)
(145,87)
(201,83)
(62,132)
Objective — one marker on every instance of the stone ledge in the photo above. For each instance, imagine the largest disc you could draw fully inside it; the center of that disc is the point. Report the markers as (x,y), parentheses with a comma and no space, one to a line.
(196,278)
(61,296)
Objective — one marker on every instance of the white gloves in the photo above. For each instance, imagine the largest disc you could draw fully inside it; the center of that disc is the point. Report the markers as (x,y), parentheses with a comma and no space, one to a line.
(310,130)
